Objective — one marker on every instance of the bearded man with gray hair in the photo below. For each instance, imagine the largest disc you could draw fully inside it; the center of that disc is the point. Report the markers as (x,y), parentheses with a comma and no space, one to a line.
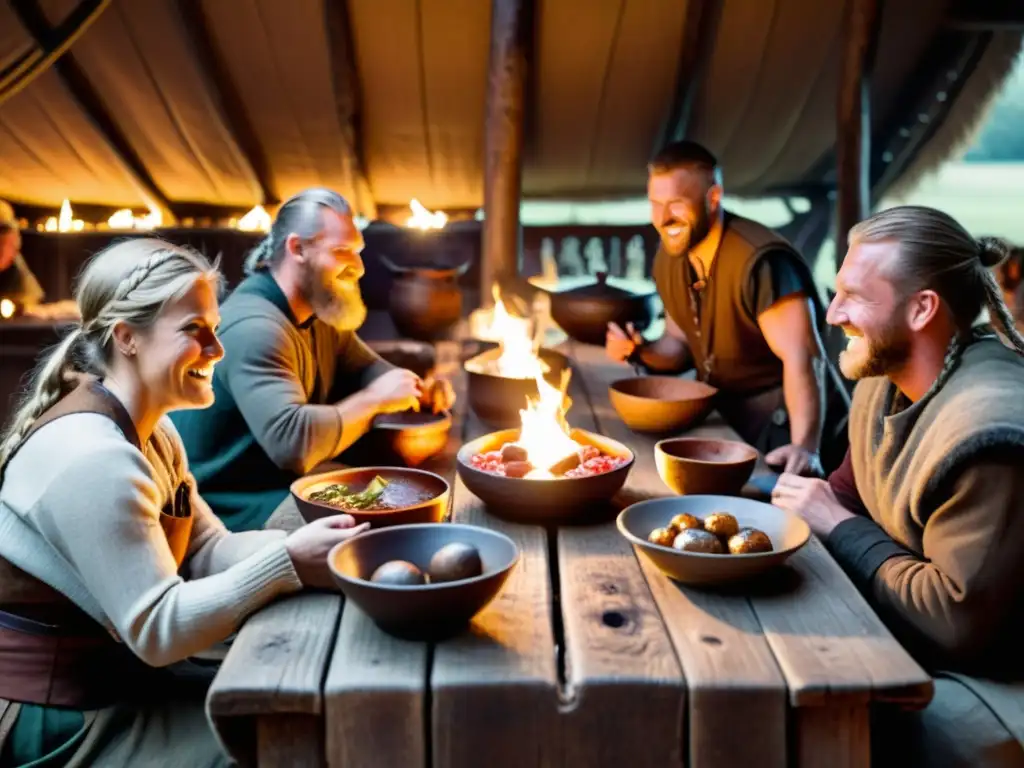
(297,386)
(926,513)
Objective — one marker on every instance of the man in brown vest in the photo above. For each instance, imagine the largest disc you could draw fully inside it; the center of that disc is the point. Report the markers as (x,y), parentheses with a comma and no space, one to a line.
(742,308)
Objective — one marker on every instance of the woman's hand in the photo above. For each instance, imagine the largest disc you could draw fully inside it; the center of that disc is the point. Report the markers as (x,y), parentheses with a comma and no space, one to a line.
(309,545)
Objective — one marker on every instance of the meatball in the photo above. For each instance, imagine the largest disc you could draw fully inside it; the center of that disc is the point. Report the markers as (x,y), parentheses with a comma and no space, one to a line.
(722,524)
(683,521)
(662,536)
(696,540)
(749,541)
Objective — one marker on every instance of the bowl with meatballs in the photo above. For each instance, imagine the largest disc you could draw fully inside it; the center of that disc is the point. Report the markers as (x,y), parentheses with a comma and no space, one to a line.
(423,581)
(712,539)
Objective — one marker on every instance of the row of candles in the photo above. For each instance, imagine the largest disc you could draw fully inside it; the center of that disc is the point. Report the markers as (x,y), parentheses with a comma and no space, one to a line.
(256,220)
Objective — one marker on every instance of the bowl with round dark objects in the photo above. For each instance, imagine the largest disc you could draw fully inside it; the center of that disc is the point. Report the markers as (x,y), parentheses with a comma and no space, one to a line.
(424,581)
(712,539)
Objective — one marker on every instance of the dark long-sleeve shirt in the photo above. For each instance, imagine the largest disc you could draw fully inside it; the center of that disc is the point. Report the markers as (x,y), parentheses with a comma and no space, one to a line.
(274,416)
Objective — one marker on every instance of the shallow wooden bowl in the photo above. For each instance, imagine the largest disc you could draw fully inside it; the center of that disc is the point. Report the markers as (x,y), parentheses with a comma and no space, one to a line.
(787,532)
(432,510)
(661,404)
(559,500)
(698,465)
(428,611)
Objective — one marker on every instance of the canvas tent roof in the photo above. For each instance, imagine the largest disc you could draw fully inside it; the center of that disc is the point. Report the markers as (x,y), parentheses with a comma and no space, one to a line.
(229,102)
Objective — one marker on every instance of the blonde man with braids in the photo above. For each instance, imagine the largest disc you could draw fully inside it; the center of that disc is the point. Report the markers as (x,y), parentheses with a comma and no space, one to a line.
(297,386)
(926,514)
(112,567)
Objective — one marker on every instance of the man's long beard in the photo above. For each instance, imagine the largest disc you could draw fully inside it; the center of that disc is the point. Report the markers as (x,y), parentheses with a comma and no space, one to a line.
(336,302)
(879,356)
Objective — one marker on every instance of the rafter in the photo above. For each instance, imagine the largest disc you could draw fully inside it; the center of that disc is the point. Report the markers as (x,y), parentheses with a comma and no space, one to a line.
(32,17)
(700,28)
(215,70)
(348,101)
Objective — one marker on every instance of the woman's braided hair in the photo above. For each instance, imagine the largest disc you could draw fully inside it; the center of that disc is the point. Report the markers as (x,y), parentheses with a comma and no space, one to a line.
(128,282)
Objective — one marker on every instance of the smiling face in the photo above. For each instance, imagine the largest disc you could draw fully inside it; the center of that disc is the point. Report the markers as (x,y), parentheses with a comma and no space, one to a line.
(684,202)
(174,357)
(331,269)
(871,312)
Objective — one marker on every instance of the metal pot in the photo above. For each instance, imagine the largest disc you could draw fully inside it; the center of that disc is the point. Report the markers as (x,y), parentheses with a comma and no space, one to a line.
(584,312)
(425,302)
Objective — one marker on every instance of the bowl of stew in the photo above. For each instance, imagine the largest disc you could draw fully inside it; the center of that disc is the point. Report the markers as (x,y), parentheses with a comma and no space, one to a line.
(381,496)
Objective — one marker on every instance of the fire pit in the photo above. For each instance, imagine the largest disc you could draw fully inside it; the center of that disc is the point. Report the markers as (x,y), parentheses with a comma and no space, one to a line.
(544,471)
(502,379)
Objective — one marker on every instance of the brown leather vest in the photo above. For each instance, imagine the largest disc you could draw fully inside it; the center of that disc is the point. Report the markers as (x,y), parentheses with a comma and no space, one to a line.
(52,652)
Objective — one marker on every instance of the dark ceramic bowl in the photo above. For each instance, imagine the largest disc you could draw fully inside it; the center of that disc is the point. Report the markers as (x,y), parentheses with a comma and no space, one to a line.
(787,532)
(584,312)
(428,611)
(497,400)
(661,404)
(432,510)
(556,501)
(416,356)
(409,437)
(698,465)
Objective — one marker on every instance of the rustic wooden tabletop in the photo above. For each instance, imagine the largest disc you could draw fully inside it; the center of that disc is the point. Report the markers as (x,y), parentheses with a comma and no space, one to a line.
(589,656)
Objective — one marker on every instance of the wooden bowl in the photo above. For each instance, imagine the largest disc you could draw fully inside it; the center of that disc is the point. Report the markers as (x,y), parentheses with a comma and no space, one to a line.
(428,611)
(559,500)
(661,404)
(432,510)
(408,438)
(497,400)
(787,532)
(699,465)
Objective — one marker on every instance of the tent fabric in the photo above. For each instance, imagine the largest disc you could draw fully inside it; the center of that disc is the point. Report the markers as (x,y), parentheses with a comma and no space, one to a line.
(393,107)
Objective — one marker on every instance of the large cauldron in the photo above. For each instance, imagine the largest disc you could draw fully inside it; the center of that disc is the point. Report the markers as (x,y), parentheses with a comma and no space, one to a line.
(584,312)
(497,400)
(425,302)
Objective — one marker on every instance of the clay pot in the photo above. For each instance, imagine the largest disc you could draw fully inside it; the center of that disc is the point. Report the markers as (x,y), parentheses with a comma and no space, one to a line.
(425,302)
(497,400)
(584,312)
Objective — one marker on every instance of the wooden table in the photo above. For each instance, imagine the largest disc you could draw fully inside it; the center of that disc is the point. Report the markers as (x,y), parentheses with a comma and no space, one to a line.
(589,657)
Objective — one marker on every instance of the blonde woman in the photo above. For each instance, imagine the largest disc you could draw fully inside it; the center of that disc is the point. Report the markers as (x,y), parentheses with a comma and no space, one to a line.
(112,567)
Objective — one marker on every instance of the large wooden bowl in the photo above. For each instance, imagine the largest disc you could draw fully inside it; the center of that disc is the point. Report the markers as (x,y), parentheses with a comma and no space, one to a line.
(432,510)
(698,465)
(428,611)
(787,532)
(661,404)
(556,501)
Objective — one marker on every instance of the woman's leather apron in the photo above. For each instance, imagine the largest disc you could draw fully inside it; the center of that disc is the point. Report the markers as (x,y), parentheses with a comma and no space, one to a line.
(51,652)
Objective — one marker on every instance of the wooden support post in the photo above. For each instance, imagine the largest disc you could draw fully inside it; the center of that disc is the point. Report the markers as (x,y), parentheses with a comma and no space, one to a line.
(853,119)
(511,33)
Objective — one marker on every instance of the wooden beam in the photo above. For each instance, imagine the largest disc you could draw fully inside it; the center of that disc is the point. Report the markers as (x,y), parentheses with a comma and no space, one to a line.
(31,15)
(853,118)
(700,29)
(925,100)
(511,44)
(196,29)
(986,15)
(348,101)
